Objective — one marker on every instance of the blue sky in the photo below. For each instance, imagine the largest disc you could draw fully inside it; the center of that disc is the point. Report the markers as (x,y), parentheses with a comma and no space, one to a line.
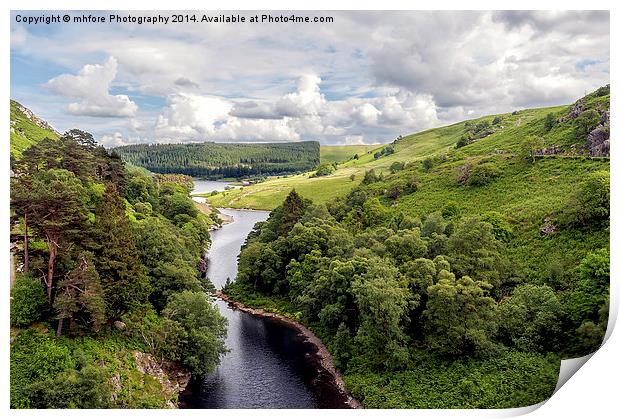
(365,78)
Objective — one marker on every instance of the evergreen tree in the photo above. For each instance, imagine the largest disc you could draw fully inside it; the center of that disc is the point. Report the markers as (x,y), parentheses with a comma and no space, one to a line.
(122,275)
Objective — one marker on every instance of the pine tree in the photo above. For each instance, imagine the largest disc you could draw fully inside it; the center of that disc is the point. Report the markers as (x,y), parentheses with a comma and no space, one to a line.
(80,292)
(122,275)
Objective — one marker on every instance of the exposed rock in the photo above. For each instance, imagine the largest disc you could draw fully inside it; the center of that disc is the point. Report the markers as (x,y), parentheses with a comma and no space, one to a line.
(462,173)
(34,119)
(598,141)
(120,325)
(115,382)
(576,110)
(172,377)
(548,227)
(549,151)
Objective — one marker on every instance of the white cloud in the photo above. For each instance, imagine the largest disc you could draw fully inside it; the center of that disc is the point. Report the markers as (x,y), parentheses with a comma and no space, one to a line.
(369,77)
(91,87)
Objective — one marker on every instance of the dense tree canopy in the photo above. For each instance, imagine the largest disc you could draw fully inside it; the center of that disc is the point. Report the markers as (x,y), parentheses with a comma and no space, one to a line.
(224,160)
(109,246)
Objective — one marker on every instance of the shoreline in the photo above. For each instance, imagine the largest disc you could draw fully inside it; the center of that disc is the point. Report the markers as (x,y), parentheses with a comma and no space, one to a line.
(323,358)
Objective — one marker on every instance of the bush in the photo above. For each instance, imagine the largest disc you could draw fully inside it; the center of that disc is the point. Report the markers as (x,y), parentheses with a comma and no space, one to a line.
(482,174)
(501,228)
(324,169)
(462,142)
(34,358)
(427,163)
(450,209)
(28,301)
(589,205)
(586,122)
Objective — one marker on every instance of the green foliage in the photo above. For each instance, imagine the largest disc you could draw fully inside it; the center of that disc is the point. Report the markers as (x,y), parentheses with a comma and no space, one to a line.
(589,205)
(80,296)
(474,250)
(28,302)
(585,123)
(460,317)
(507,380)
(324,169)
(501,228)
(383,304)
(35,358)
(550,122)
(205,328)
(122,276)
(112,243)
(532,318)
(27,130)
(86,388)
(483,174)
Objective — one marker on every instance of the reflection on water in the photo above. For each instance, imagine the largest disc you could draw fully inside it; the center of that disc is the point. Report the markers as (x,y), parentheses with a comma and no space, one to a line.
(268,365)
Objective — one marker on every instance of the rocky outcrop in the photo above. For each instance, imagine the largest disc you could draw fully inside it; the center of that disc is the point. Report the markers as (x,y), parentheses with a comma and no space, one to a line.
(576,110)
(598,138)
(172,377)
(32,118)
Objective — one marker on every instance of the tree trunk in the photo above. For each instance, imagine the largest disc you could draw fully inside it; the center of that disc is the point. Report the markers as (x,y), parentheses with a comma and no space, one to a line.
(51,262)
(59,328)
(26,257)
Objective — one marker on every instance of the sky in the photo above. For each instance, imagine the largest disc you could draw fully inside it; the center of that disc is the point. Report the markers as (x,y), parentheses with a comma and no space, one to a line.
(364,78)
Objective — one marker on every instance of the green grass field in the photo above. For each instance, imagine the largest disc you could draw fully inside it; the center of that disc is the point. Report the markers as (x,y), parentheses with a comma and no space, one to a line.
(342,153)
(505,141)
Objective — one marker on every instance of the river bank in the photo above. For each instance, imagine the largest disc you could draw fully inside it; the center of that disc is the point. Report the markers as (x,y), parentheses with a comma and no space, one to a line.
(328,377)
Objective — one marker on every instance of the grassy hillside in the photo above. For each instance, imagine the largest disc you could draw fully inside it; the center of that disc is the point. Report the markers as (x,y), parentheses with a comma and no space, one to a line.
(507,139)
(465,262)
(342,153)
(27,129)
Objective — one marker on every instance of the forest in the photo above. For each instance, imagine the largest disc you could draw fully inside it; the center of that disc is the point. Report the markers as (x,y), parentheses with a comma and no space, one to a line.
(430,312)
(110,265)
(222,160)
(459,279)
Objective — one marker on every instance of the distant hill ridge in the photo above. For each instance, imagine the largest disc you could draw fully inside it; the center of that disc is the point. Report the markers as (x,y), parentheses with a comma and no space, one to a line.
(218,160)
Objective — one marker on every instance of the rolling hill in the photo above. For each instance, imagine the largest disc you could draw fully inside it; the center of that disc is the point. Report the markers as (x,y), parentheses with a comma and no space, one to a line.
(27,129)
(559,139)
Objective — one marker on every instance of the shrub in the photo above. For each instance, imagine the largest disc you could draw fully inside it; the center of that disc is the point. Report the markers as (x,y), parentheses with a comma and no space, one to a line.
(324,169)
(427,163)
(462,142)
(586,122)
(589,205)
(501,228)
(28,301)
(397,166)
(450,209)
(482,174)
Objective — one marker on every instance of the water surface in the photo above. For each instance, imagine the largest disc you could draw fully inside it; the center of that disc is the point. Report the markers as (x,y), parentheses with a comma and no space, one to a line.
(269,365)
(207,186)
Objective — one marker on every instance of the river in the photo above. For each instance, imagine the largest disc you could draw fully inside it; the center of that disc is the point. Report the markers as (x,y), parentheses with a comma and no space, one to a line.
(206,186)
(269,364)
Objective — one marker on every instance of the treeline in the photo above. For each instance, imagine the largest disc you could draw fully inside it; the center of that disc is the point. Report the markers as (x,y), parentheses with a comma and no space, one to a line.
(218,160)
(429,312)
(106,254)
